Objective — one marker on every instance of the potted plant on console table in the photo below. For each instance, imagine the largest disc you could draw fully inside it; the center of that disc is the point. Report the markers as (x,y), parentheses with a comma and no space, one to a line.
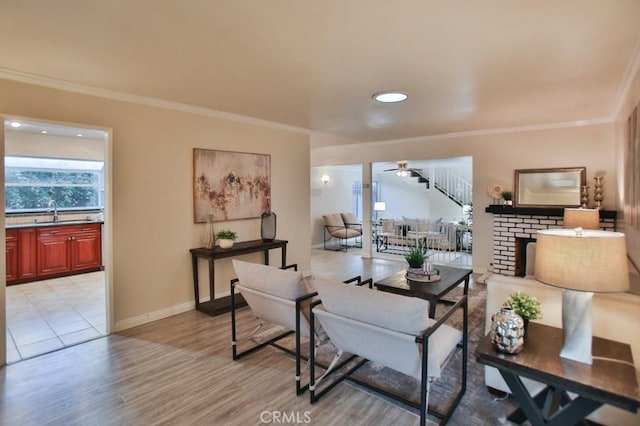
(226,238)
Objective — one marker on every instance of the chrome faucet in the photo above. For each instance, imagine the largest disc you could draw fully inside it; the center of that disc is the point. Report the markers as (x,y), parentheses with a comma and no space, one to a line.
(53,205)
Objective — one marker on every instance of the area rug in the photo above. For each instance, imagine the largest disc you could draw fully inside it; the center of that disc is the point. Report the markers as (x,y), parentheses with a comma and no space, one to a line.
(478,406)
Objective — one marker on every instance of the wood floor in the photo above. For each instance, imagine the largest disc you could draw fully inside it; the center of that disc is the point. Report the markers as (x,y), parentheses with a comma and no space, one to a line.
(179,371)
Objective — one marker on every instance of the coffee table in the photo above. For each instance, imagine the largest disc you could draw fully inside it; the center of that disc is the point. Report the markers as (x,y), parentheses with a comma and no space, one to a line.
(450,278)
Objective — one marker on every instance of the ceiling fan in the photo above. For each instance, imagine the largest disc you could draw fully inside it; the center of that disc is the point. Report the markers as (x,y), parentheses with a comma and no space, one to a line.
(402,170)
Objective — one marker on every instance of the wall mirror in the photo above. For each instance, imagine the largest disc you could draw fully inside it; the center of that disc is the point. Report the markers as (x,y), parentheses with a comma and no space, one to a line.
(559,187)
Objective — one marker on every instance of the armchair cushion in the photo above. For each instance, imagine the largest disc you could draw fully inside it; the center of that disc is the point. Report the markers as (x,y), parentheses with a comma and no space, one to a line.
(333,222)
(351,221)
(400,313)
(268,279)
(382,327)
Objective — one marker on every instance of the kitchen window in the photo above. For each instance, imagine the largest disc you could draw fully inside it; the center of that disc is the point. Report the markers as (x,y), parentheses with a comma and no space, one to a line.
(31,182)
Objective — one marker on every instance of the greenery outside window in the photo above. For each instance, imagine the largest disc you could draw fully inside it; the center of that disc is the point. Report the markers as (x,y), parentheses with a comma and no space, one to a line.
(32,182)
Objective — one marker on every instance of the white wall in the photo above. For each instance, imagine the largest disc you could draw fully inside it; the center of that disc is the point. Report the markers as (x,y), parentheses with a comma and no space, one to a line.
(631,100)
(152,219)
(496,156)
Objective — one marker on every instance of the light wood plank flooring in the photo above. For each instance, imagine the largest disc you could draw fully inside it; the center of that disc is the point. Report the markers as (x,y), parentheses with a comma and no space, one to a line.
(179,371)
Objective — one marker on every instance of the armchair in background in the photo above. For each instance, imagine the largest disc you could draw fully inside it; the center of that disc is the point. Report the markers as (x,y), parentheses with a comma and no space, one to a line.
(343,227)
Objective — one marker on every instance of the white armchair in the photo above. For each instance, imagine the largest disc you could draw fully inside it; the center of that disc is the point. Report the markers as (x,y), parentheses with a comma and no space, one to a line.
(280,297)
(392,330)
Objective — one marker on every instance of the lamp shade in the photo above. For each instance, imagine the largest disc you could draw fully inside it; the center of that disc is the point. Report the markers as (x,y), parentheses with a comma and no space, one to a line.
(594,261)
(379,206)
(582,218)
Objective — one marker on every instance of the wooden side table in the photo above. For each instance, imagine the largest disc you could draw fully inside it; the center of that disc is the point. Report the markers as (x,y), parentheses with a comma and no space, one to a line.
(216,253)
(611,379)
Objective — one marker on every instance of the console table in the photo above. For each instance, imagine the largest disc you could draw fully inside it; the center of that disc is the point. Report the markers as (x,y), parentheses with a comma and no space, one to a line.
(216,253)
(611,379)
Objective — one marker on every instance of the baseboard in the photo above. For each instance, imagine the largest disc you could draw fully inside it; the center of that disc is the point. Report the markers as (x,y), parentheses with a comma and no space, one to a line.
(153,316)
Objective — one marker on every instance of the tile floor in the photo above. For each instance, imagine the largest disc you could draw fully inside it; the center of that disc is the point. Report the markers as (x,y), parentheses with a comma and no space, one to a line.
(44,316)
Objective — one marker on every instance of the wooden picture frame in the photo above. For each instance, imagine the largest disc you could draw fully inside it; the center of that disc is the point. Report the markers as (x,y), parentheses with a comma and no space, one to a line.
(230,185)
(555,187)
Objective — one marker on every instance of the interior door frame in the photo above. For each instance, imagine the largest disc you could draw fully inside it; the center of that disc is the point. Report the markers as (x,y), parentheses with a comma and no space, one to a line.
(107,231)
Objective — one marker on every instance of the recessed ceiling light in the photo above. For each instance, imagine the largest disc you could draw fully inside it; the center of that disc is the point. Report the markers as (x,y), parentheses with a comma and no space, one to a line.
(15,124)
(44,132)
(390,97)
(79,135)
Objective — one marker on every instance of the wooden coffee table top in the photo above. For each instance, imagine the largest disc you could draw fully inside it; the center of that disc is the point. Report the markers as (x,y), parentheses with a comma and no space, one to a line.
(450,277)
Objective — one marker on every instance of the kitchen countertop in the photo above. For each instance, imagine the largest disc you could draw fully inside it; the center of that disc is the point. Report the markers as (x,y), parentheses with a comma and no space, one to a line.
(43,224)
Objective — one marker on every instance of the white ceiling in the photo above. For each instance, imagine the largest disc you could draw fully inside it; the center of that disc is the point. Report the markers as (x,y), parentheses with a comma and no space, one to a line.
(467,65)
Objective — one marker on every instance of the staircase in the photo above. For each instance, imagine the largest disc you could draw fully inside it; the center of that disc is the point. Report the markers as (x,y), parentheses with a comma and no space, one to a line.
(447,182)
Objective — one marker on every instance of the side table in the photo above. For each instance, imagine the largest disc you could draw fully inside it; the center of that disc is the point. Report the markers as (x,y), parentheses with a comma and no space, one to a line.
(216,253)
(611,379)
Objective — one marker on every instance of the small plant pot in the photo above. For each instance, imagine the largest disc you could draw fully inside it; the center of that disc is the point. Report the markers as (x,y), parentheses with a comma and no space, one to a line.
(225,244)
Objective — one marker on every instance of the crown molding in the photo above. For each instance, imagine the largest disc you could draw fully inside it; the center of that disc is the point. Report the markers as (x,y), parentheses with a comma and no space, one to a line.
(629,76)
(471,133)
(23,77)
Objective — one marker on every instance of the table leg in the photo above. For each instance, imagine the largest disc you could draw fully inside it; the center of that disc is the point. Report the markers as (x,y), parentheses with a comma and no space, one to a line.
(266,257)
(212,283)
(284,256)
(571,413)
(432,307)
(196,291)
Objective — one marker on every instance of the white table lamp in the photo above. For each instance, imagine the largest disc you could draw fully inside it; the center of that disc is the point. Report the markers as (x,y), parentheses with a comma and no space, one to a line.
(582,218)
(581,263)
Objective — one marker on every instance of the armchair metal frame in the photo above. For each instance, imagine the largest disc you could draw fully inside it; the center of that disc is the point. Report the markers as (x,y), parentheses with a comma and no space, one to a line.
(273,341)
(315,394)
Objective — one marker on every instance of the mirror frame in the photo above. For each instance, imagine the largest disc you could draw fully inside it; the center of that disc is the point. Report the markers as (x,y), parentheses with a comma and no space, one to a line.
(521,203)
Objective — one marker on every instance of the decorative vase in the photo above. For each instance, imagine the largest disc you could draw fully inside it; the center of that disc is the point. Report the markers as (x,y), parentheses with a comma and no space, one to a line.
(209,239)
(507,331)
(597,192)
(225,244)
(268,226)
(584,196)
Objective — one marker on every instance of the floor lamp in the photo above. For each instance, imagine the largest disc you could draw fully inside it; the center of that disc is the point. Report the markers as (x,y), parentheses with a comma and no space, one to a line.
(581,262)
(379,206)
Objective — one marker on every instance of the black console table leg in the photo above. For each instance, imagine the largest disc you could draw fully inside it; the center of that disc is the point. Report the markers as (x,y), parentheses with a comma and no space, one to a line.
(196,291)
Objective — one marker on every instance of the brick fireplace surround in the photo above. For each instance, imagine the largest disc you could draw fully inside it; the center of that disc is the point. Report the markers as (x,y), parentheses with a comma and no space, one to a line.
(514,227)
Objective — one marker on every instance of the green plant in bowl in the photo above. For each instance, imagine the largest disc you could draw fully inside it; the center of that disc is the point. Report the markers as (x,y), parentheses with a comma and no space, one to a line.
(226,234)
(415,257)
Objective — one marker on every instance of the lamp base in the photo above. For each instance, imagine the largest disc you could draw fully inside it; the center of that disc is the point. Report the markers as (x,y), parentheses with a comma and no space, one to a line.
(576,326)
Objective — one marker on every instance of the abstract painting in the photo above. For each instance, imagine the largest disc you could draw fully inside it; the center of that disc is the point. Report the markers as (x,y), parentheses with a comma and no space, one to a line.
(230,185)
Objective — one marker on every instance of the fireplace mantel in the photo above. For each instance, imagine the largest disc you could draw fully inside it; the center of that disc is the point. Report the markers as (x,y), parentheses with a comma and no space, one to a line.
(513,227)
(540,211)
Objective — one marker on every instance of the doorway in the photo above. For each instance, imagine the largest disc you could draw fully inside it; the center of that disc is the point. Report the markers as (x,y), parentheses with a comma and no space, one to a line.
(57,178)
(426,203)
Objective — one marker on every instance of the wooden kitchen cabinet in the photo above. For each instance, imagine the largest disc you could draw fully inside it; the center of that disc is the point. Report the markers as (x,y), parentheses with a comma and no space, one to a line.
(64,250)
(11,244)
(21,255)
(86,249)
(42,252)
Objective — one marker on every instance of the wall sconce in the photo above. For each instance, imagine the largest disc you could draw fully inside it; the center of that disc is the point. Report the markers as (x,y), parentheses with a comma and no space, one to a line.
(325,178)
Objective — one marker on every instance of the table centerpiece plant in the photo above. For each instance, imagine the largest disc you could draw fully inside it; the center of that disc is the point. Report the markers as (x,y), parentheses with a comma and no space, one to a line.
(415,257)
